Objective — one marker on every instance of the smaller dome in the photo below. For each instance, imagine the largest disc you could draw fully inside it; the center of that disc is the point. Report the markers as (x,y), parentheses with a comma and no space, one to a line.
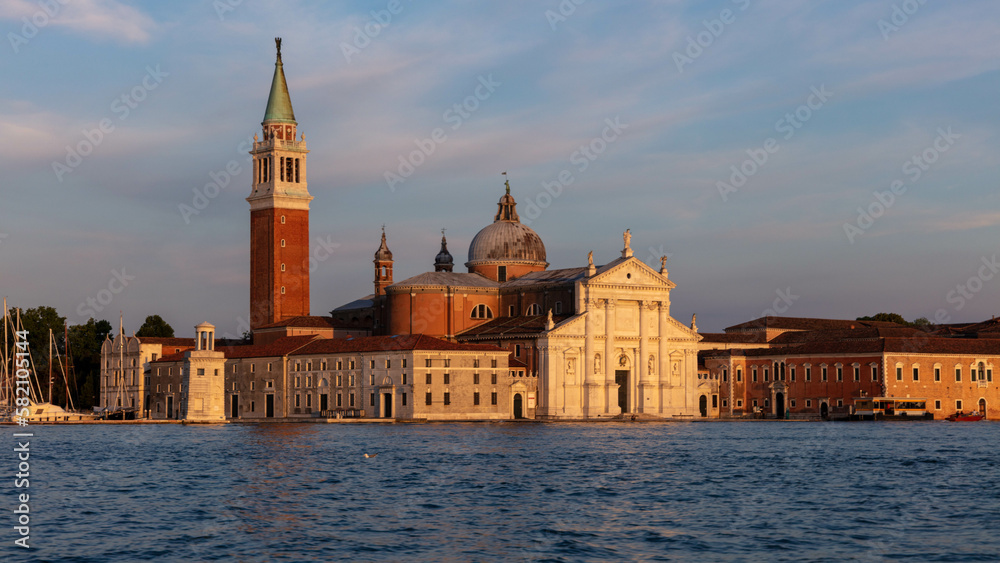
(443,262)
(383,252)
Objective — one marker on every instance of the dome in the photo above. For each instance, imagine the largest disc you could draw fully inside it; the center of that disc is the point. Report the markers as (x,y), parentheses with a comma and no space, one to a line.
(507,240)
(383,253)
(443,262)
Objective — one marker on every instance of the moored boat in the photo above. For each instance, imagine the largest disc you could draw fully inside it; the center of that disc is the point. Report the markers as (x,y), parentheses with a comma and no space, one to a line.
(965,417)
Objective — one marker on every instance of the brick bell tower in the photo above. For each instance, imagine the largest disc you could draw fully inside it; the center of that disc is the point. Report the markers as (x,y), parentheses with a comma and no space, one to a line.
(279,213)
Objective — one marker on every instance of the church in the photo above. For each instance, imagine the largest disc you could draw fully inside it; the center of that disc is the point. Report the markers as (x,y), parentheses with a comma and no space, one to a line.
(591,342)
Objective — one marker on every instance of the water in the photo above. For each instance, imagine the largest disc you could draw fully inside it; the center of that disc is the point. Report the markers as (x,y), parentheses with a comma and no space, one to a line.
(513,492)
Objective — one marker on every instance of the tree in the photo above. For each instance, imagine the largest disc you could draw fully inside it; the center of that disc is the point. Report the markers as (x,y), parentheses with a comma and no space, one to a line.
(887,318)
(156,327)
(85,342)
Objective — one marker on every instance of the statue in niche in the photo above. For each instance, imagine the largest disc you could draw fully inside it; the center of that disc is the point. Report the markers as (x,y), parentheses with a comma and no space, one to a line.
(622,360)
(597,363)
(569,365)
(652,363)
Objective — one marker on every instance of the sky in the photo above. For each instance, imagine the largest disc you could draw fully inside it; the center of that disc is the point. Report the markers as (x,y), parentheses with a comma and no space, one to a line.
(803,158)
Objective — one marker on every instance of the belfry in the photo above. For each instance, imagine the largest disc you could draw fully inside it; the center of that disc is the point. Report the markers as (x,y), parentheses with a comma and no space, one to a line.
(279,212)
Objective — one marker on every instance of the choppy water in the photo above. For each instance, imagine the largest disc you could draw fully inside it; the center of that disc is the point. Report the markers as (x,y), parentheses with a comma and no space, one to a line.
(520,492)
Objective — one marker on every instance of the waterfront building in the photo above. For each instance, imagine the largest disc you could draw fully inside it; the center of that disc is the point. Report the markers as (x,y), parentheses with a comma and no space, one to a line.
(125,365)
(395,377)
(817,368)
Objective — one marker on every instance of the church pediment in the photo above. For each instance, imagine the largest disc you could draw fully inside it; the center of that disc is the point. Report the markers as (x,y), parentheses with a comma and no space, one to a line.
(630,272)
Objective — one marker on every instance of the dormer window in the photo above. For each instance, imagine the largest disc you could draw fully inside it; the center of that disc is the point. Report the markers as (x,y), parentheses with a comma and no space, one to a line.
(481,311)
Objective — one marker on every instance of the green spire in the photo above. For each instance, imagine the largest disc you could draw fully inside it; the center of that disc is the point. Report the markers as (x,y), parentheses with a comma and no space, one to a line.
(279,105)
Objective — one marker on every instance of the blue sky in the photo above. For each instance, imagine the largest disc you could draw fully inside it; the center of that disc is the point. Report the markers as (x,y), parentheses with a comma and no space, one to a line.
(694,85)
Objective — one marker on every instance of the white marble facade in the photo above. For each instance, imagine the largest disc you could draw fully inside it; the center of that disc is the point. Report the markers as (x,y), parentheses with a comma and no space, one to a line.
(622,353)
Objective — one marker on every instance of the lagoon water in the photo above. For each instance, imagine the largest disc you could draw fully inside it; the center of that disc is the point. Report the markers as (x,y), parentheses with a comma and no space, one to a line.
(723,491)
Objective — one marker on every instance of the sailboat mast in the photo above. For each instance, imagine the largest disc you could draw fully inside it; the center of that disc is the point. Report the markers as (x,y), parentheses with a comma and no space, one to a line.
(50,365)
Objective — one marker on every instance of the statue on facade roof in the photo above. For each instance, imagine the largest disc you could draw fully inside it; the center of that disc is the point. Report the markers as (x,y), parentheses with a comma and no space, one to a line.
(627,235)
(590,259)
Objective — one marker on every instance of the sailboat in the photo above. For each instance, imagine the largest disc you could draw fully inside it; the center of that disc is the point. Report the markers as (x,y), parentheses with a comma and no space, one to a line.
(37,410)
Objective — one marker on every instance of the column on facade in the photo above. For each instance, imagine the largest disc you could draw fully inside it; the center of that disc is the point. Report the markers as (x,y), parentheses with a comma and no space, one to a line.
(611,391)
(591,395)
(643,401)
(664,360)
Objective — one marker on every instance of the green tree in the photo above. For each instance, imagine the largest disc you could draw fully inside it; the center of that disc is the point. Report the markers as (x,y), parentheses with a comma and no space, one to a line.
(886,317)
(155,326)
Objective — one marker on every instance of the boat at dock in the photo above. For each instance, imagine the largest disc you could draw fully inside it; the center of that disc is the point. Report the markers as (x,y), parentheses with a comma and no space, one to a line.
(965,417)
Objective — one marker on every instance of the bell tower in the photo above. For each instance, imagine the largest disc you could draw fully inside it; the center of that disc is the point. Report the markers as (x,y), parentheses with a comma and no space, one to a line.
(279,212)
(383,267)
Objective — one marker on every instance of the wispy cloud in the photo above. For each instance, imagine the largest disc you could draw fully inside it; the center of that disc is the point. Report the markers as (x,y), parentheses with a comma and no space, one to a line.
(100,19)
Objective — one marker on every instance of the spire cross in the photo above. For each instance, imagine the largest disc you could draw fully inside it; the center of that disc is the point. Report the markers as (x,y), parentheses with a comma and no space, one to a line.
(277,43)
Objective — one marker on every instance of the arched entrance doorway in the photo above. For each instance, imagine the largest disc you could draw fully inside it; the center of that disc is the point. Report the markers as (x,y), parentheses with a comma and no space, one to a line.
(518,406)
(824,410)
(779,405)
(703,406)
(982,407)
(386,405)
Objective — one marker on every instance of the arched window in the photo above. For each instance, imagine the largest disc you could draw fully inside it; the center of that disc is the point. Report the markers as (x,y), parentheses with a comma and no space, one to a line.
(534,310)
(481,311)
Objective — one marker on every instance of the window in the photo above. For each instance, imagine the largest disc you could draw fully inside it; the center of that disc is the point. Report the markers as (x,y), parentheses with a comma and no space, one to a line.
(493,398)
(809,373)
(840,402)
(475,362)
(517,350)
(371,379)
(958,374)
(725,375)
(899,373)
(916,374)
(351,382)
(857,373)
(252,405)
(268,366)
(753,376)
(282,267)
(372,399)
(558,307)
(201,371)
(874,373)
(937,405)
(791,403)
(427,362)
(282,243)
(791,374)
(493,362)
(809,403)
(251,385)
(739,375)
(282,219)
(481,311)
(502,273)
(937,374)
(533,310)
(840,373)
(739,403)
(154,356)
(404,362)
(351,364)
(823,374)
(427,398)
(253,368)
(404,379)
(282,290)
(447,379)
(958,404)
(715,401)
(447,398)
(340,400)
(475,379)
(510,311)
(447,362)
(270,384)
(725,403)
(372,364)
(428,379)
(765,375)
(298,380)
(351,399)
(989,375)
(403,397)
(340,365)
(298,400)
(339,380)
(493,379)
(754,403)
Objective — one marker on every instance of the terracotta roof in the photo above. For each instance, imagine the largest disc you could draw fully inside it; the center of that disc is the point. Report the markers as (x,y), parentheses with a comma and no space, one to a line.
(453,279)
(516,364)
(279,347)
(931,345)
(165,341)
(511,326)
(388,343)
(798,323)
(739,337)
(562,276)
(304,322)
